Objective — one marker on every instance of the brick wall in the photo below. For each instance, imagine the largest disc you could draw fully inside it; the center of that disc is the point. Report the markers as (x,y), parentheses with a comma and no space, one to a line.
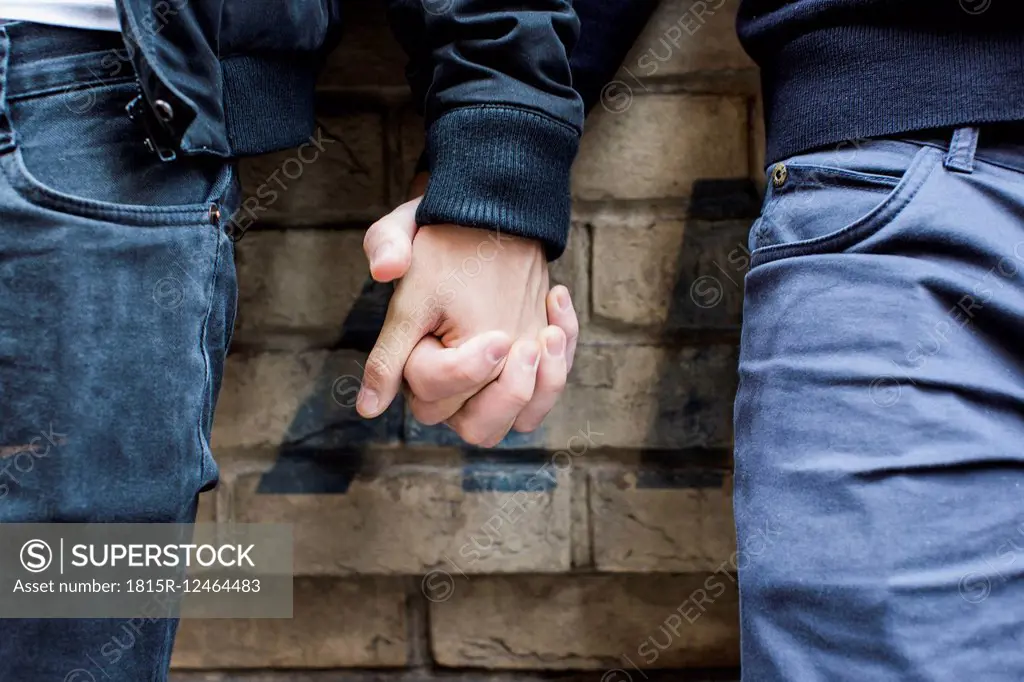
(600,548)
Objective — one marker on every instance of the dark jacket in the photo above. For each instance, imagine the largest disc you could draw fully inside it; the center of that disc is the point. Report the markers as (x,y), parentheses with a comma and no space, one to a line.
(236,77)
(841,70)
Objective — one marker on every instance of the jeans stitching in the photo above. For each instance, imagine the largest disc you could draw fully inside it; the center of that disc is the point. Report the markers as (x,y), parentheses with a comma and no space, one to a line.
(829,172)
(36,193)
(207,362)
(780,251)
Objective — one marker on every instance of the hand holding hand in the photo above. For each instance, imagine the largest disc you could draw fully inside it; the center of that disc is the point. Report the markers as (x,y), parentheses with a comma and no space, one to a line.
(467,327)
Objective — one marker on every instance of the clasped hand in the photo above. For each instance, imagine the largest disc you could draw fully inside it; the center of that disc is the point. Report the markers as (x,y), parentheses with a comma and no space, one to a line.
(472,334)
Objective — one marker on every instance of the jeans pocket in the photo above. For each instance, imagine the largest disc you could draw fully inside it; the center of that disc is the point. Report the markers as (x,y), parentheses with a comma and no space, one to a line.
(827,202)
(91,162)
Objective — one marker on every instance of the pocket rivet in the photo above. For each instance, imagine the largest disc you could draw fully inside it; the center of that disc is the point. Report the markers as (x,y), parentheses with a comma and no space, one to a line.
(164,110)
(779,174)
(214,214)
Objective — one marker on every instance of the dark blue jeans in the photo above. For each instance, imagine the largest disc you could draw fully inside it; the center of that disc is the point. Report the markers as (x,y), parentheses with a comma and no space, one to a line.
(880,415)
(117,298)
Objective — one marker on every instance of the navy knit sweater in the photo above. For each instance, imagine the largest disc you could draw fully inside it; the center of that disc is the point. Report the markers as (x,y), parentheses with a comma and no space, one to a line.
(835,70)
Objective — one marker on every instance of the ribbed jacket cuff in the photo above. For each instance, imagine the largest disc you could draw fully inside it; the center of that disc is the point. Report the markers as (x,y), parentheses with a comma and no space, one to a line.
(501,168)
(268,102)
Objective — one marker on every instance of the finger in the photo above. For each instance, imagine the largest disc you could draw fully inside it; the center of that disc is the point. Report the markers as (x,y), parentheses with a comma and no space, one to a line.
(487,417)
(442,379)
(388,242)
(551,374)
(440,411)
(562,314)
(382,376)
(464,375)
(435,372)
(435,413)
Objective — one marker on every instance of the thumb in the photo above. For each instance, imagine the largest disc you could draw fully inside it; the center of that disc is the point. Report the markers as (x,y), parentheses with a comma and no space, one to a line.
(382,376)
(388,242)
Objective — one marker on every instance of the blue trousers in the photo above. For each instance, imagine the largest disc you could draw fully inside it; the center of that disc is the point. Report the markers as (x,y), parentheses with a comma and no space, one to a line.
(117,297)
(880,414)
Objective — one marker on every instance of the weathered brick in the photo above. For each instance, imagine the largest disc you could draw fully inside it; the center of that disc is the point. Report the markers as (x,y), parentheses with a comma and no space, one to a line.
(582,536)
(589,622)
(646,396)
(429,675)
(684,36)
(669,274)
(369,55)
(354,515)
(306,186)
(660,145)
(671,521)
(297,401)
(298,286)
(352,623)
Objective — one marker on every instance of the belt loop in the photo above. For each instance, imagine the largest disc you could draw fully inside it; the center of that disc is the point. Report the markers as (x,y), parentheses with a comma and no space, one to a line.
(961,150)
(6,131)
